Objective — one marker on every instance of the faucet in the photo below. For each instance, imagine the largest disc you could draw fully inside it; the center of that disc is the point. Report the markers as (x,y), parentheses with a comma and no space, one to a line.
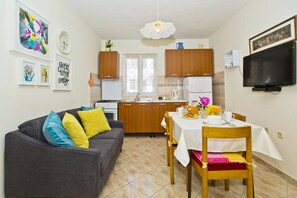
(137,97)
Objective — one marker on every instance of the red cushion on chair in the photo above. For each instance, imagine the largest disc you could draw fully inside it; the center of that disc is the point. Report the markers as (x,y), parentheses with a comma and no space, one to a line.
(217,161)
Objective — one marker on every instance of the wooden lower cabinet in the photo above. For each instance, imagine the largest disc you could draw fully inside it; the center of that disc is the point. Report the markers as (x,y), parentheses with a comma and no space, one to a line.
(126,114)
(145,117)
(142,117)
(172,106)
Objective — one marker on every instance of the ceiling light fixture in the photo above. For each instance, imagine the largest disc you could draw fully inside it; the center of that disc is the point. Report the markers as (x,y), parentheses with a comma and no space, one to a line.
(157,29)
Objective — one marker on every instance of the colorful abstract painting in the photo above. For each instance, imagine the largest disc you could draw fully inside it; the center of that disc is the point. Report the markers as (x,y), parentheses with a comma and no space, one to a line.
(32,33)
(27,73)
(62,73)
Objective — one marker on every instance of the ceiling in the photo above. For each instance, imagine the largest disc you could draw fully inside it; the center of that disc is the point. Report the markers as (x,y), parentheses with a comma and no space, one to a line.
(122,19)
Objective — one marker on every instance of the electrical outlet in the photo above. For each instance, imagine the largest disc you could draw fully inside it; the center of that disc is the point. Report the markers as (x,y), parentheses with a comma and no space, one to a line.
(280,135)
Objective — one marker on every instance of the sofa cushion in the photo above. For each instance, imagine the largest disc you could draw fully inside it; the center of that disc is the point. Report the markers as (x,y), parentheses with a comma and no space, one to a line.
(33,128)
(107,148)
(75,131)
(94,121)
(114,133)
(54,132)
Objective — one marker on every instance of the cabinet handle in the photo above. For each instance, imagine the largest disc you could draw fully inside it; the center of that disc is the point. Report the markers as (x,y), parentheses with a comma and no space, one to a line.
(127,104)
(206,74)
(174,74)
(107,76)
(177,103)
(162,104)
(189,74)
(143,104)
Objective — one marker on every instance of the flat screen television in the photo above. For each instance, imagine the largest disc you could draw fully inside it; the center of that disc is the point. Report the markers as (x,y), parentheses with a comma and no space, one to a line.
(273,67)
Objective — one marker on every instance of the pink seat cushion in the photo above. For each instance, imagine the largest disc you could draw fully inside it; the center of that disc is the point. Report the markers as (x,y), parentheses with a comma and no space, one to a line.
(217,161)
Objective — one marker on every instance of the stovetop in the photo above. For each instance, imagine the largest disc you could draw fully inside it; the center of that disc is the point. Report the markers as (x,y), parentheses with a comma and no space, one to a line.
(105,101)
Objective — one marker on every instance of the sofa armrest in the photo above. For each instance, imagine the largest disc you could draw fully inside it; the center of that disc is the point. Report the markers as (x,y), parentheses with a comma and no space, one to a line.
(115,124)
(30,162)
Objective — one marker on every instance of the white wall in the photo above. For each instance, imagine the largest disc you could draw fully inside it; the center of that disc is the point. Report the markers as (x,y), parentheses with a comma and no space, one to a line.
(20,103)
(147,46)
(276,112)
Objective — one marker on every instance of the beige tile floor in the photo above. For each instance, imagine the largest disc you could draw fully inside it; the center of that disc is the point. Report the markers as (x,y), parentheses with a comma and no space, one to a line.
(141,171)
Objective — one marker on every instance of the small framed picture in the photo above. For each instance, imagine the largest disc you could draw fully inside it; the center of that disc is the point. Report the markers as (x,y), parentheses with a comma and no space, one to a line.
(27,72)
(43,75)
(62,73)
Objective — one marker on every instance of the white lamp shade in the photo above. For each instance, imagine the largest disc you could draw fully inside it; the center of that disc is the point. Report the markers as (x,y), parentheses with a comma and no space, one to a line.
(157,30)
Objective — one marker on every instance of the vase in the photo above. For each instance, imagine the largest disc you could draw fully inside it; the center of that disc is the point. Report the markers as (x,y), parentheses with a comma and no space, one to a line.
(108,49)
(202,113)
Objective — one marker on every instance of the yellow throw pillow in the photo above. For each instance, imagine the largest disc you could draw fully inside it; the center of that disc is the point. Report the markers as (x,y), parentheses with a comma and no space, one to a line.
(94,121)
(75,131)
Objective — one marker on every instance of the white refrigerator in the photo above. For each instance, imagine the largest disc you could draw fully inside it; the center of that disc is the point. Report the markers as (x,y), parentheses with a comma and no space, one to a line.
(195,87)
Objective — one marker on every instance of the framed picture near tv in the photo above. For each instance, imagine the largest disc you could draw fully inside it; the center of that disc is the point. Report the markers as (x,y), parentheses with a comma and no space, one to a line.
(281,33)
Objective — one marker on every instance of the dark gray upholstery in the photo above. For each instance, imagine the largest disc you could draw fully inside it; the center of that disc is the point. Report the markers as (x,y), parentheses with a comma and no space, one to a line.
(34,168)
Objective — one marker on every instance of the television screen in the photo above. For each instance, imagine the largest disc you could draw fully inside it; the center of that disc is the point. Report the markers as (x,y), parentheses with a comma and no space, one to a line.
(275,66)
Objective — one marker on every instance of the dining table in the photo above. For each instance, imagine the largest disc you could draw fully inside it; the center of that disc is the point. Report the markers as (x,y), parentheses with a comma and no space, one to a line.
(188,133)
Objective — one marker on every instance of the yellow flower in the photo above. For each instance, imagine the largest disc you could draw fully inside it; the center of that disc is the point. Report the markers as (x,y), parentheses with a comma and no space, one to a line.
(212,110)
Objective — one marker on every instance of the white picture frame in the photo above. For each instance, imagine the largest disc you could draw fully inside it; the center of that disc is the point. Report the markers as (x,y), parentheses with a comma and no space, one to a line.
(62,73)
(44,75)
(38,44)
(27,72)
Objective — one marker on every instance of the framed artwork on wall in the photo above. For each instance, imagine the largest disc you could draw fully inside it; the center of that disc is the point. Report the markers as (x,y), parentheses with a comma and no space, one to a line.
(31,33)
(281,33)
(27,72)
(43,75)
(62,73)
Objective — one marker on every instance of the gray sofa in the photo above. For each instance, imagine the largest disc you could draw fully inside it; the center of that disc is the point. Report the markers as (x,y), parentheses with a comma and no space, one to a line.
(34,168)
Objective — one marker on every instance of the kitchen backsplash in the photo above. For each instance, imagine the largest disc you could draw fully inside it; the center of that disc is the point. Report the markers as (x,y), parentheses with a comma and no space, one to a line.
(164,86)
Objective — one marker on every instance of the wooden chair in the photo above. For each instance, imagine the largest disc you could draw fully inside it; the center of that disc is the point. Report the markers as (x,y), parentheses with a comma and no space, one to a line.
(170,145)
(210,168)
(239,117)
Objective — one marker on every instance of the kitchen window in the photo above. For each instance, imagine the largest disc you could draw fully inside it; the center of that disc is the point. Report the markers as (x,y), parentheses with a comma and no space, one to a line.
(140,74)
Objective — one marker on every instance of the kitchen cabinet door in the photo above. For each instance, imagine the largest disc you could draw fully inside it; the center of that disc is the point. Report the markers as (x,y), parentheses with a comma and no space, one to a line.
(143,117)
(109,65)
(126,114)
(205,62)
(171,106)
(189,62)
(161,111)
(173,63)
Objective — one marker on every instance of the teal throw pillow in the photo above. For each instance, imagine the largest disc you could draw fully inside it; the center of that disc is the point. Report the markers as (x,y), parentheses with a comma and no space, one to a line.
(83,108)
(54,131)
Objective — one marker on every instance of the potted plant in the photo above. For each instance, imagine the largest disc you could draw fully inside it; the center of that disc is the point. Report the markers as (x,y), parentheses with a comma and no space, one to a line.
(108,45)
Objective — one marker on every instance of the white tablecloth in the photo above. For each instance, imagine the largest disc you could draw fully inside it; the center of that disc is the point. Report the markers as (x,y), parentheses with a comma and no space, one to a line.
(188,132)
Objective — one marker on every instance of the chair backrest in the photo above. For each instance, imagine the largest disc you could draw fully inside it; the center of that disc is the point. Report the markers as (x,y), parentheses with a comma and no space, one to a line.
(239,117)
(168,120)
(227,132)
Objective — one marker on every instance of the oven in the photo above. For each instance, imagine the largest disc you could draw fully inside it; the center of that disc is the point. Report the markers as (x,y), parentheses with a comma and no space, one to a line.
(110,108)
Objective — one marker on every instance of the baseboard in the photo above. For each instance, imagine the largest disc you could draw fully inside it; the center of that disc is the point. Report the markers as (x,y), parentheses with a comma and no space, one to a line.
(283,175)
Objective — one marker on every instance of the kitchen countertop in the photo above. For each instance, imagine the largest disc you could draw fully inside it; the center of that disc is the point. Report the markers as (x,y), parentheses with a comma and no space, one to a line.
(148,100)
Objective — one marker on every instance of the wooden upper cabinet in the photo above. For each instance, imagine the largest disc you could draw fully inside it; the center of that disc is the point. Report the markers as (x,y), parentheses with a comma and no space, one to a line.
(205,62)
(173,63)
(109,64)
(189,62)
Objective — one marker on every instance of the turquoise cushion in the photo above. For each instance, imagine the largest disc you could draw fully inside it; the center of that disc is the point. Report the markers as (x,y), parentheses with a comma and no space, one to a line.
(54,131)
(86,108)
